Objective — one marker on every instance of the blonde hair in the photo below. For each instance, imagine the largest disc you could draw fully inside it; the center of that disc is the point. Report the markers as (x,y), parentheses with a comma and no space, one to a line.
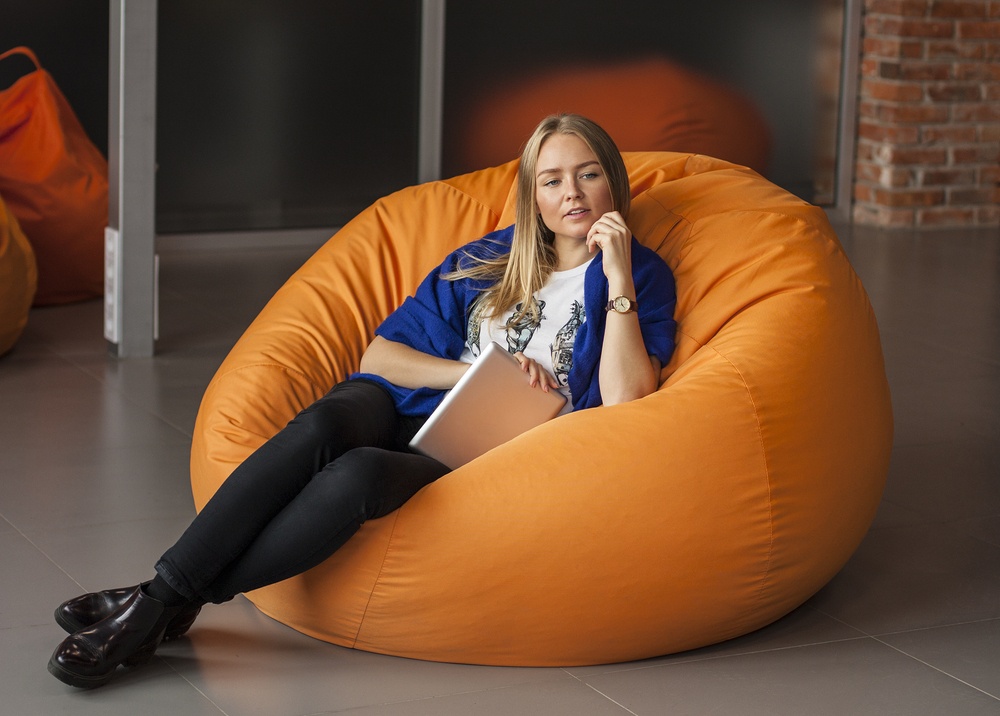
(516,277)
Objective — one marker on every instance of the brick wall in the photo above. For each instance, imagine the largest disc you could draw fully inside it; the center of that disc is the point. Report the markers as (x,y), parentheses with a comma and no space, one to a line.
(928,151)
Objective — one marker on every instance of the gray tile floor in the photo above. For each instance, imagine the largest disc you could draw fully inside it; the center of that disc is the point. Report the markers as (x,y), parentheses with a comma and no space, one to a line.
(93,486)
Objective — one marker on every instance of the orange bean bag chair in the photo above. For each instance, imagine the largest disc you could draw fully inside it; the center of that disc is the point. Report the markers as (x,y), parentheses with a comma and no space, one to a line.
(645,104)
(18,279)
(702,512)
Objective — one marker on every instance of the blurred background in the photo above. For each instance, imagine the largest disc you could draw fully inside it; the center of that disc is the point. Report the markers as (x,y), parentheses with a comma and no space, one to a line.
(299,114)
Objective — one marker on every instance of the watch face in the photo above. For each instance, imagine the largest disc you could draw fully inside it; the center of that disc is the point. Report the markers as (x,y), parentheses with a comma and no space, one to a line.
(622,304)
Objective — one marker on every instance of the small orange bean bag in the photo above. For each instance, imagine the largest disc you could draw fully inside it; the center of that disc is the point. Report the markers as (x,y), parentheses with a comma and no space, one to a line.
(649,104)
(702,512)
(18,279)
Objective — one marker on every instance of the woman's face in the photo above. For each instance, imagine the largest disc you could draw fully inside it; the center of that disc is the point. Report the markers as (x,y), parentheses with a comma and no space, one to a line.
(570,187)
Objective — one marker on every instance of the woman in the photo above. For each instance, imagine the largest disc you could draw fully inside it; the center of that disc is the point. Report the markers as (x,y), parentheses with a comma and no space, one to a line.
(584,308)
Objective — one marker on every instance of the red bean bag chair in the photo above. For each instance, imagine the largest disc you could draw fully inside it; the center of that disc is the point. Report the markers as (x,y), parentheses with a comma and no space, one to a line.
(649,104)
(704,511)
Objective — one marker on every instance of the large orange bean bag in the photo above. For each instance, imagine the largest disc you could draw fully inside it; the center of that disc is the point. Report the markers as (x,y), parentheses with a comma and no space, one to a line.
(649,104)
(18,279)
(702,512)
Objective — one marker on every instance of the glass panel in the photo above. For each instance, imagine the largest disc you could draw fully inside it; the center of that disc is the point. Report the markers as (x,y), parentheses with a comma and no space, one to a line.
(283,114)
(729,77)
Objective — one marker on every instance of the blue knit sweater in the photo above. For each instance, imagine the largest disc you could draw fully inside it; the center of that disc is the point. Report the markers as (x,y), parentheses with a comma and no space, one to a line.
(435,319)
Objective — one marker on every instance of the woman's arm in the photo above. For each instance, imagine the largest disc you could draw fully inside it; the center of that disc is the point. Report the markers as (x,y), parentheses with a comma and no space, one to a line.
(627,372)
(409,368)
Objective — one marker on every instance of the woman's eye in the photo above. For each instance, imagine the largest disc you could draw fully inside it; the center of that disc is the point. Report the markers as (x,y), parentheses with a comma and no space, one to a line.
(551,182)
(589,175)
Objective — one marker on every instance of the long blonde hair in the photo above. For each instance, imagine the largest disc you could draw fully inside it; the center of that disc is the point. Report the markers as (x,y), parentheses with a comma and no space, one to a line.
(516,277)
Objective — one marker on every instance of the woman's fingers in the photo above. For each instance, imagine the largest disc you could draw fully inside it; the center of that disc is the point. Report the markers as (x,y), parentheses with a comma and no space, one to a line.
(538,377)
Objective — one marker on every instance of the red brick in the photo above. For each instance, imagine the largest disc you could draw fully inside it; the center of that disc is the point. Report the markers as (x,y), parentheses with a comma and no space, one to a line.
(946,217)
(993,92)
(976,112)
(949,134)
(976,154)
(892,48)
(954,93)
(989,175)
(896,156)
(978,71)
(923,71)
(912,114)
(994,9)
(986,30)
(958,8)
(989,133)
(892,91)
(889,133)
(948,49)
(863,192)
(887,26)
(947,177)
(911,198)
(912,8)
(960,197)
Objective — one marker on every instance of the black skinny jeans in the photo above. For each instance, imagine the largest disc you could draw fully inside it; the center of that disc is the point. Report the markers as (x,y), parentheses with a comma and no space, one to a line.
(301,495)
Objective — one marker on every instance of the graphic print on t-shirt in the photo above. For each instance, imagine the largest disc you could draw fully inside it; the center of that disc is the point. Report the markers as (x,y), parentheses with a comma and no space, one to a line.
(473,328)
(562,344)
(519,332)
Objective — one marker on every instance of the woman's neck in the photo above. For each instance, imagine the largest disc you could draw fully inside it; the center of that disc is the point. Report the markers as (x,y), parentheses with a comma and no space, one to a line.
(571,253)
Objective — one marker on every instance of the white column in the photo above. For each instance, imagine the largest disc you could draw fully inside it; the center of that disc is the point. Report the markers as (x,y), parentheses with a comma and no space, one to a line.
(130,279)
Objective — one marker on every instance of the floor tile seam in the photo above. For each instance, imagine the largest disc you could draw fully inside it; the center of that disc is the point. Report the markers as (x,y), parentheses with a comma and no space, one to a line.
(187,433)
(950,625)
(193,686)
(616,703)
(938,669)
(44,554)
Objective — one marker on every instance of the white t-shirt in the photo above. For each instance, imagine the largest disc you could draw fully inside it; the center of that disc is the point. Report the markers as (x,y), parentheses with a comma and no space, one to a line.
(548,342)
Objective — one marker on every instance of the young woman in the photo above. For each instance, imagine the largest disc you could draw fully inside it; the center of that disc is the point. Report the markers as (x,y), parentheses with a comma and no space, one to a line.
(582,305)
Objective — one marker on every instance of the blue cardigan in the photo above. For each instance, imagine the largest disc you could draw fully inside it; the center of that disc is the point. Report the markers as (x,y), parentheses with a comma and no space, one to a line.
(434,320)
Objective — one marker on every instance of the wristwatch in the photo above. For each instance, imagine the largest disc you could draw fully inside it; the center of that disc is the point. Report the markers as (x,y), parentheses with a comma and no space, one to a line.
(622,305)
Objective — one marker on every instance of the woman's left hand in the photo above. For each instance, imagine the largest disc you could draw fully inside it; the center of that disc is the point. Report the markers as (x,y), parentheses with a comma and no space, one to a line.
(610,234)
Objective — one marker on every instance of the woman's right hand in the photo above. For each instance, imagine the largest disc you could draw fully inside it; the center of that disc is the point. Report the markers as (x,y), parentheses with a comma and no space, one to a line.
(538,377)
(407,367)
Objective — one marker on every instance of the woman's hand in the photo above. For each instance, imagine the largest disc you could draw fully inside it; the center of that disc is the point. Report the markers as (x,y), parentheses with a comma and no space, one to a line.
(611,235)
(409,368)
(538,377)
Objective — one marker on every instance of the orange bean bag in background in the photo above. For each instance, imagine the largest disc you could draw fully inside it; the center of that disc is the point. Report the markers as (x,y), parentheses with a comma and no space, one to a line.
(646,104)
(702,512)
(55,181)
(18,279)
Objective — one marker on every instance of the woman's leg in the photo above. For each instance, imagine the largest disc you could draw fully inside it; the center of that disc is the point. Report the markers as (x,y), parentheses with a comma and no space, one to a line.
(353,414)
(365,483)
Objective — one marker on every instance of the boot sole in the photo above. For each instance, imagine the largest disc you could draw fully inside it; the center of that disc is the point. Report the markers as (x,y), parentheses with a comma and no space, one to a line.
(76,680)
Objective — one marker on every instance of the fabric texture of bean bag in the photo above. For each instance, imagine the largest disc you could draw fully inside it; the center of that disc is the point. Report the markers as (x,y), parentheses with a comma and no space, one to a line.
(702,512)
(18,279)
(645,104)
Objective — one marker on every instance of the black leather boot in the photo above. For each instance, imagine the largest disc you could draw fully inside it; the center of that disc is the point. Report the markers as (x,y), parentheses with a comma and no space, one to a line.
(127,637)
(86,610)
